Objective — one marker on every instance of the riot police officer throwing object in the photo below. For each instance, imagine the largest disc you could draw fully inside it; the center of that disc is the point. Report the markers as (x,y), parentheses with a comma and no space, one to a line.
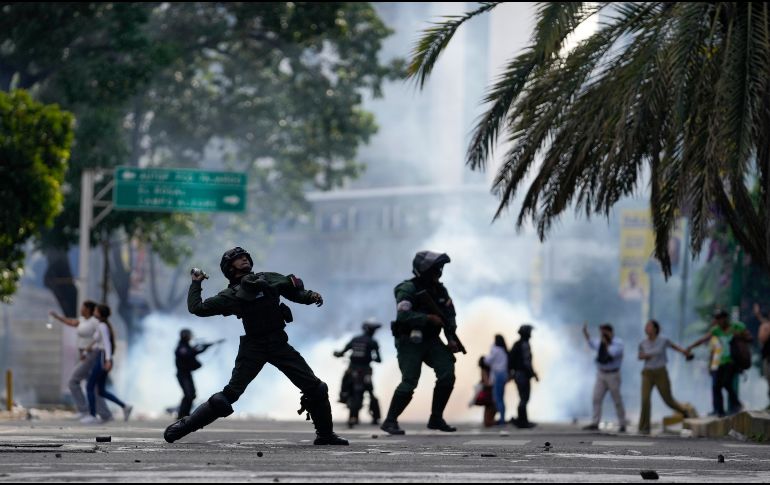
(423,309)
(186,362)
(358,377)
(255,298)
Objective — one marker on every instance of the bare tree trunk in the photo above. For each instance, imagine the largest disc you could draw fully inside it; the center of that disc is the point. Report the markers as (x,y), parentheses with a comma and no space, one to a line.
(174,296)
(58,278)
(121,281)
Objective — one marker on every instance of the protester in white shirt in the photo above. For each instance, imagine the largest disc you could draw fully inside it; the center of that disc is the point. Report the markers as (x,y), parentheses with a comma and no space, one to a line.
(85,326)
(653,352)
(97,381)
(608,361)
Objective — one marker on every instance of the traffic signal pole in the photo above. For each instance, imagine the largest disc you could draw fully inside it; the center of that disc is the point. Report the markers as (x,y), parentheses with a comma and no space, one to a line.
(86,220)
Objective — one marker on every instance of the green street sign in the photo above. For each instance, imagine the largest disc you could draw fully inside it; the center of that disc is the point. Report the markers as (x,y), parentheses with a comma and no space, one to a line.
(178,190)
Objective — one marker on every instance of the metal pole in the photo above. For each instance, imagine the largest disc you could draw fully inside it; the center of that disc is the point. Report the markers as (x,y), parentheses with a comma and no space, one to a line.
(9,389)
(86,218)
(685,279)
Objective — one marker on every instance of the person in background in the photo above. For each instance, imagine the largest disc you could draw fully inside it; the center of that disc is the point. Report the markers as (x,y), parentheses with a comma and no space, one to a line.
(97,381)
(497,360)
(85,326)
(187,362)
(483,394)
(715,357)
(424,309)
(357,379)
(724,330)
(653,352)
(609,358)
(764,343)
(522,372)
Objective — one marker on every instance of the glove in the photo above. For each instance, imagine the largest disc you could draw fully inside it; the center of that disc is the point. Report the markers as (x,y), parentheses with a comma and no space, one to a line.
(316,298)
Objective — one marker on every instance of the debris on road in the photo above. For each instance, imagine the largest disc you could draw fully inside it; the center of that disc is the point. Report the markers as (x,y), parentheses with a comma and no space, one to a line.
(649,474)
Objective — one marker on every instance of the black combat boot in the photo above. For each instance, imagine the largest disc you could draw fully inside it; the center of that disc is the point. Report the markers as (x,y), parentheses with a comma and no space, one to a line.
(320,411)
(216,407)
(374,410)
(352,421)
(522,421)
(440,400)
(392,427)
(322,420)
(331,439)
(397,405)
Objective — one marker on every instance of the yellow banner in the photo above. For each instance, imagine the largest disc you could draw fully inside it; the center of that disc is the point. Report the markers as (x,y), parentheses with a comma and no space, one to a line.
(636,247)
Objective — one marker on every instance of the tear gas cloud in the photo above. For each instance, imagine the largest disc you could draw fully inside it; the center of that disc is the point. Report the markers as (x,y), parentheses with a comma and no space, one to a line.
(499,279)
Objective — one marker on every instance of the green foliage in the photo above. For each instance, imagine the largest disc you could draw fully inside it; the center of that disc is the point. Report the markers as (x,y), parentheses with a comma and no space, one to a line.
(35,142)
(277,94)
(274,89)
(729,278)
(677,90)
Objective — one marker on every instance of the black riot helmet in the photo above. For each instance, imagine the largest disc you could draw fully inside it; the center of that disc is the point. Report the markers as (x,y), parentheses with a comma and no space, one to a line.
(231,255)
(370,325)
(426,262)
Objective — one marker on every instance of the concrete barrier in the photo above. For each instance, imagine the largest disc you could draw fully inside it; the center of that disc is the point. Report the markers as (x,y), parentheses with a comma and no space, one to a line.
(754,425)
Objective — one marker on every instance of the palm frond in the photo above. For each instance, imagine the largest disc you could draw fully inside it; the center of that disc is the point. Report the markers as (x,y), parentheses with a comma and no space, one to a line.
(557,20)
(676,90)
(435,39)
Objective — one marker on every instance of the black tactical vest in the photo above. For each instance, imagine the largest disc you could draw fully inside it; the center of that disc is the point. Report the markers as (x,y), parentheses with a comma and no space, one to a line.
(440,296)
(362,347)
(261,316)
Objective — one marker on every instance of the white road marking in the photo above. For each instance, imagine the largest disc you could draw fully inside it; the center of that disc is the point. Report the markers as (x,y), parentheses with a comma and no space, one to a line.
(496,442)
(624,443)
(219,476)
(613,456)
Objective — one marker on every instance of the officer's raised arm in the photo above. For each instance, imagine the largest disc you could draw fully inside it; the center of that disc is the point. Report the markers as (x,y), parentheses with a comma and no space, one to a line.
(196,305)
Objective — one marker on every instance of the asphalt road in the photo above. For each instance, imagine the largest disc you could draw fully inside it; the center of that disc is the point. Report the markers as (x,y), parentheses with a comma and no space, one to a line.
(59,451)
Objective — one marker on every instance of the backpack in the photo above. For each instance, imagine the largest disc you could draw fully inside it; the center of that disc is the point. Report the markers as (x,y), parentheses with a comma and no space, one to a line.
(514,357)
(740,351)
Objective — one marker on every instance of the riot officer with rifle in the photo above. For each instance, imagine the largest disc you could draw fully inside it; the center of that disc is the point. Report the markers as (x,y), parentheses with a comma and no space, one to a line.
(186,356)
(424,308)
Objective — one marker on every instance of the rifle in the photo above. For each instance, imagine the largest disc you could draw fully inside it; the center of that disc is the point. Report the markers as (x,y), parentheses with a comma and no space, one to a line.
(425,301)
(210,344)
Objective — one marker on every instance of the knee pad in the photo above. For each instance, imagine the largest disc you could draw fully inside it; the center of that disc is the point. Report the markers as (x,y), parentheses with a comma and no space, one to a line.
(320,392)
(446,379)
(407,386)
(221,405)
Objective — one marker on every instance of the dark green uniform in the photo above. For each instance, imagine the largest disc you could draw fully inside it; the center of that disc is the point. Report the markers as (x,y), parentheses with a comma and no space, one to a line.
(413,316)
(432,350)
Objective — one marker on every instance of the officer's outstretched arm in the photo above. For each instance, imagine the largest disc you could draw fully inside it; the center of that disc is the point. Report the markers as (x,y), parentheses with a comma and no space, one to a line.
(293,289)
(210,307)
(342,352)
